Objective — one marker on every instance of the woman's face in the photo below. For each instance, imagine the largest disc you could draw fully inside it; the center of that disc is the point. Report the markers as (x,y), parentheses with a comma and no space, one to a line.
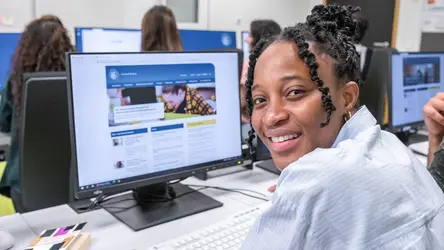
(288,108)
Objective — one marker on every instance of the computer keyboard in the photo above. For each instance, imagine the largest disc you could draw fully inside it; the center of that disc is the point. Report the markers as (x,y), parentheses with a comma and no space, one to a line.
(228,234)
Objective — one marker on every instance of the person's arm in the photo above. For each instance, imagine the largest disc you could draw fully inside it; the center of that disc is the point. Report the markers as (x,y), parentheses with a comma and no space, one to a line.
(434,143)
(436,158)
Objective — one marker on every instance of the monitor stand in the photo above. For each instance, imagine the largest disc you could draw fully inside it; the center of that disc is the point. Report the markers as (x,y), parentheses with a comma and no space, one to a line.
(269,166)
(410,138)
(146,207)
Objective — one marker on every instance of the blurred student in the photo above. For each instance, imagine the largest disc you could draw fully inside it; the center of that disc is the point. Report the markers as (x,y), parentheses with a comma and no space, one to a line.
(359,36)
(159,30)
(42,47)
(182,99)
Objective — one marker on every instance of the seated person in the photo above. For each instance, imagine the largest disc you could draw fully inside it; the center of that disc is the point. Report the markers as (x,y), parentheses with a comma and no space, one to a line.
(182,99)
(345,183)
(433,116)
(41,48)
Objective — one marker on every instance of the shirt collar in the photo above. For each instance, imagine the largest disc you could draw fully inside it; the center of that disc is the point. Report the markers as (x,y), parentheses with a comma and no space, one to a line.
(360,121)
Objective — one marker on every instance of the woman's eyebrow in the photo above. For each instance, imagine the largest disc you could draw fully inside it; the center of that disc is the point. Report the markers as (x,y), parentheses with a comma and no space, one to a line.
(288,78)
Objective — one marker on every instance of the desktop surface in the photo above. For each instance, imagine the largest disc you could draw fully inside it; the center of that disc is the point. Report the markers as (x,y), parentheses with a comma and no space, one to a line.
(8,44)
(416,78)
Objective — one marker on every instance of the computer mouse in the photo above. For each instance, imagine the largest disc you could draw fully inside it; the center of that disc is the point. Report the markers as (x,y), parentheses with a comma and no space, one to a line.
(6,240)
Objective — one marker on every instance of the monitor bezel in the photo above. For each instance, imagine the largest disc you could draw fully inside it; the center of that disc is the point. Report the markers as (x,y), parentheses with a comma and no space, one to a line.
(411,125)
(122,187)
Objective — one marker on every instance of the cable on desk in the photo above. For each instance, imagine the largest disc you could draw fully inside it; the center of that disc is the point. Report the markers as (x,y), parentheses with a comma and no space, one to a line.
(164,199)
(235,190)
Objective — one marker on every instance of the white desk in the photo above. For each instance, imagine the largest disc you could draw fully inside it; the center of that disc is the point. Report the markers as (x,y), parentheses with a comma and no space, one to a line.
(109,233)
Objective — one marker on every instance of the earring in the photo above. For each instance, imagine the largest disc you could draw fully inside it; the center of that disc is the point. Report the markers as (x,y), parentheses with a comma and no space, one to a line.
(347,116)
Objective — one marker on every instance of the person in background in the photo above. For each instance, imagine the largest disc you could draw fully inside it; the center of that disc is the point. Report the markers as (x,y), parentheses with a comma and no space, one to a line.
(159,30)
(259,29)
(42,47)
(183,100)
(434,120)
(345,184)
(359,36)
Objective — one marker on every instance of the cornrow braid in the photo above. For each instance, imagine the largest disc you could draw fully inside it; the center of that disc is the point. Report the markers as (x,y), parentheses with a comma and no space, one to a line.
(331,29)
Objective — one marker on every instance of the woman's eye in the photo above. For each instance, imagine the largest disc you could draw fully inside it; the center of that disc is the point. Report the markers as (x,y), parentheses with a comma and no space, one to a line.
(257,101)
(295,92)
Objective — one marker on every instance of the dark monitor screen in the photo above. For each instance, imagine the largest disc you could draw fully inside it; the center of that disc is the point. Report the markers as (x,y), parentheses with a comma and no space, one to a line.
(262,152)
(124,137)
(415,79)
(45,145)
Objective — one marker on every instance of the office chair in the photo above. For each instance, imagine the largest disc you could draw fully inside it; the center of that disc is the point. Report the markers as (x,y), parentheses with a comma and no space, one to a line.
(45,147)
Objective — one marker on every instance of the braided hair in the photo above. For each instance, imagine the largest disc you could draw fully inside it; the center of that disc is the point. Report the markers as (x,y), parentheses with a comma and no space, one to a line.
(331,29)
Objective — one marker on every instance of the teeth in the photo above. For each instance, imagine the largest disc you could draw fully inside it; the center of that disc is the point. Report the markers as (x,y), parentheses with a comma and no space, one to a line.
(284,138)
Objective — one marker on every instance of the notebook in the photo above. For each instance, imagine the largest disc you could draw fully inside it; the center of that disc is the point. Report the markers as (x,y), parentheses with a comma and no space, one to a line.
(57,239)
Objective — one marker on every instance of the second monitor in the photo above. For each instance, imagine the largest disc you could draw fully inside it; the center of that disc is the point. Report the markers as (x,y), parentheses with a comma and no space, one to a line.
(415,79)
(129,40)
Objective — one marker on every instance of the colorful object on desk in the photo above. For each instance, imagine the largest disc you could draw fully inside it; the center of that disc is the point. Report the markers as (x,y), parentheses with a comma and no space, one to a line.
(57,239)
(6,206)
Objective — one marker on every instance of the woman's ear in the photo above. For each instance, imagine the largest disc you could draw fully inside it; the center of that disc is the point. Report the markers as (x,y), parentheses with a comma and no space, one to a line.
(351,95)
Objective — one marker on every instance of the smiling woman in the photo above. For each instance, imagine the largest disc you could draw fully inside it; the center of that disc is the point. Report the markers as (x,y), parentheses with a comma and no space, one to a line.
(345,183)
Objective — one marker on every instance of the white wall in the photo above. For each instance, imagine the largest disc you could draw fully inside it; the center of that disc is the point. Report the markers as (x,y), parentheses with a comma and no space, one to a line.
(409,25)
(233,15)
(236,15)
(20,12)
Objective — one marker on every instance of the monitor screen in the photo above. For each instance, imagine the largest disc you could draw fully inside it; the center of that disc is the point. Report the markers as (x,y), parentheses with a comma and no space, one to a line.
(245,46)
(107,40)
(8,44)
(129,40)
(139,116)
(193,40)
(416,78)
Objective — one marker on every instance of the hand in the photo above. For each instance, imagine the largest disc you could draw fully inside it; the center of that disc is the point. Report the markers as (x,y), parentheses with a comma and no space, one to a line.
(433,116)
(272,189)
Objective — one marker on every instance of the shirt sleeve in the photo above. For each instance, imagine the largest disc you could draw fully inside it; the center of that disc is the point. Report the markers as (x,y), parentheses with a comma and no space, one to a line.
(437,167)
(6,107)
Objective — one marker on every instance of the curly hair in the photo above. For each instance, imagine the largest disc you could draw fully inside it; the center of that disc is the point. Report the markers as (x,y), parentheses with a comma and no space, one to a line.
(331,30)
(42,47)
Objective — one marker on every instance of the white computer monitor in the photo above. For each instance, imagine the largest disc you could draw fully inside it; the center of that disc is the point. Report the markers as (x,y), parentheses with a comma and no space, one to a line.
(245,46)
(107,40)
(416,78)
(141,118)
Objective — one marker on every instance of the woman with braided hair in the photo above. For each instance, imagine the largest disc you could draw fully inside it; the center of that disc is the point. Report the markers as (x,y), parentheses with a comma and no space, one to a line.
(345,183)
(42,47)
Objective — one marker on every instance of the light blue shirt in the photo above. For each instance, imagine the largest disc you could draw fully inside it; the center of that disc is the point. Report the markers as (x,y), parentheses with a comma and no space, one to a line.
(366,192)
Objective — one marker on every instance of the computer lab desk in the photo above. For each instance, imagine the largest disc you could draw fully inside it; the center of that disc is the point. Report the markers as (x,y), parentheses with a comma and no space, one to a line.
(107,233)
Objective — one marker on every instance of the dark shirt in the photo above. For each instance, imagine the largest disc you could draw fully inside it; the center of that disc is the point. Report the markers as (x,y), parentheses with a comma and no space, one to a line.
(437,167)
(11,175)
